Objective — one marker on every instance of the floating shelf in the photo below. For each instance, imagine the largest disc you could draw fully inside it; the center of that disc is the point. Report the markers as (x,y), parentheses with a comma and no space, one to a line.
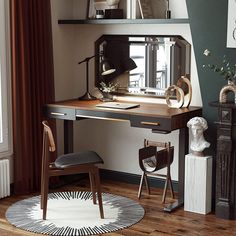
(125,21)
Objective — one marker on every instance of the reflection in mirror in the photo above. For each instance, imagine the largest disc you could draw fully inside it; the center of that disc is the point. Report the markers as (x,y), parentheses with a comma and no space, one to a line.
(145,65)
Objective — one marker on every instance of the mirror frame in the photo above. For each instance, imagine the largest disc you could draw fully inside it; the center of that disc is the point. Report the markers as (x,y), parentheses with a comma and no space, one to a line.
(108,37)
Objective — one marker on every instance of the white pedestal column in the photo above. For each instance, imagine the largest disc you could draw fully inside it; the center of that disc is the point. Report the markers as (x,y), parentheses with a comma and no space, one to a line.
(197,189)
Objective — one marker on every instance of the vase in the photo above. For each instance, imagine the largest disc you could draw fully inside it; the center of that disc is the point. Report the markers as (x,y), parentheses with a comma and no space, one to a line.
(230,87)
(107,96)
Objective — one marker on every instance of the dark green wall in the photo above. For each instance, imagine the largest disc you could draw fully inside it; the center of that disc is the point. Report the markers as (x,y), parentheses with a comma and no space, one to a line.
(208,23)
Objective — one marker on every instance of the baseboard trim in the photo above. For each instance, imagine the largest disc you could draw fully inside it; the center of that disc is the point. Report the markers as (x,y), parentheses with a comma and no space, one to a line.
(134,178)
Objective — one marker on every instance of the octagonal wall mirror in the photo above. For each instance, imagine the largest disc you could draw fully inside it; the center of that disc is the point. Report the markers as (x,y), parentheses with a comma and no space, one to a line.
(145,64)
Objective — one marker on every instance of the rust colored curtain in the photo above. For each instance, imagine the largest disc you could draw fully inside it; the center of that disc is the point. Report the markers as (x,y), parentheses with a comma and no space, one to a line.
(32,87)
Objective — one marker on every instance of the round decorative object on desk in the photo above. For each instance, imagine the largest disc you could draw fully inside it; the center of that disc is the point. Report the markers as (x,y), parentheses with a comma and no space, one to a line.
(188,95)
(179,95)
(230,87)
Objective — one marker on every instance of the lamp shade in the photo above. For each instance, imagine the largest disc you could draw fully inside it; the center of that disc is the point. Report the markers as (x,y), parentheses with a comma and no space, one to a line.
(106,67)
(129,64)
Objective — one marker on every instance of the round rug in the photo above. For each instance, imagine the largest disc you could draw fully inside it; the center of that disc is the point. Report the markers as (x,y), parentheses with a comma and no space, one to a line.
(73,213)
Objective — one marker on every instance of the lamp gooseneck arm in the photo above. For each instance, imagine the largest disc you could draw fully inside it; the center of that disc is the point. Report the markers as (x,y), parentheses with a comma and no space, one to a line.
(87,59)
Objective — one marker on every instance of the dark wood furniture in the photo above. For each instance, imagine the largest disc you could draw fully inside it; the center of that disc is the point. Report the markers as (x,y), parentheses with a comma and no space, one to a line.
(124,21)
(152,160)
(226,161)
(157,117)
(72,163)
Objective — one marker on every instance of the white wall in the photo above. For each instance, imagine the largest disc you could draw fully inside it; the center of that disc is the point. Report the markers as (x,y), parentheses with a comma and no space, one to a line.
(116,142)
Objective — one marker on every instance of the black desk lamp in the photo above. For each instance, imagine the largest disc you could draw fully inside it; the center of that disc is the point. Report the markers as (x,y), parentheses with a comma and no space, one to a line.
(106,70)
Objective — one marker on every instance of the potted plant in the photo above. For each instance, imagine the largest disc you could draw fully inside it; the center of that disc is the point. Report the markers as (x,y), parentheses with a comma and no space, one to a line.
(228,72)
(107,90)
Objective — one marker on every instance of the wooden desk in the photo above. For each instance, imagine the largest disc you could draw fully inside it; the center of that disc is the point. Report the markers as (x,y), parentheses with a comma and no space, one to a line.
(157,117)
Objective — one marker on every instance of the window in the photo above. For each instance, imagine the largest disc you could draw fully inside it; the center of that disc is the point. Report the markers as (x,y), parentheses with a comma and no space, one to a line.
(4,123)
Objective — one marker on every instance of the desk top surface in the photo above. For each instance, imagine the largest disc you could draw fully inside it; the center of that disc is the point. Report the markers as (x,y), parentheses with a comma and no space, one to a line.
(145,109)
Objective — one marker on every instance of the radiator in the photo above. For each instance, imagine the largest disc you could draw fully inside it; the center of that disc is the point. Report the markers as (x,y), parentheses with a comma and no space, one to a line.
(4,178)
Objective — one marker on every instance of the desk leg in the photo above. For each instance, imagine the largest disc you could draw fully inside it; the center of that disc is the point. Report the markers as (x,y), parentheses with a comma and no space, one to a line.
(68,136)
(183,150)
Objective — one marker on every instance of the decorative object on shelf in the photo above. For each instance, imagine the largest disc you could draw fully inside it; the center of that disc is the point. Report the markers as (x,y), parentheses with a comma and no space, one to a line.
(179,94)
(197,126)
(230,87)
(106,70)
(99,14)
(113,12)
(145,9)
(93,6)
(107,90)
(168,12)
(113,4)
(188,95)
(231,29)
(228,72)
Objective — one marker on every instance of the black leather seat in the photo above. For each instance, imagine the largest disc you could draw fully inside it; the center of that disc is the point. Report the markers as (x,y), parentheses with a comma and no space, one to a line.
(79,158)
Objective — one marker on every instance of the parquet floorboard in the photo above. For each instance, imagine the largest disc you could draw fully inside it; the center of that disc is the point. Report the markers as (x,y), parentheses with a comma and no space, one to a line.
(155,223)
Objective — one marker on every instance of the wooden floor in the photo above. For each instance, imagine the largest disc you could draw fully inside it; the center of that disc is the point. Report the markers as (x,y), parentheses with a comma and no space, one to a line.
(155,222)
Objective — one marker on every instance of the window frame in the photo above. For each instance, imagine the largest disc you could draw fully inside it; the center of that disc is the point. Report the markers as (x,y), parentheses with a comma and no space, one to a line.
(5,146)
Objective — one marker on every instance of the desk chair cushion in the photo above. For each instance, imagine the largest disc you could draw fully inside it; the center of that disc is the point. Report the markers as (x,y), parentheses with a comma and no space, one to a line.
(79,158)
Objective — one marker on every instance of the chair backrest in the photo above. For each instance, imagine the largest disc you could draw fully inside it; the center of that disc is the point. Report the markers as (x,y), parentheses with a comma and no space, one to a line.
(47,134)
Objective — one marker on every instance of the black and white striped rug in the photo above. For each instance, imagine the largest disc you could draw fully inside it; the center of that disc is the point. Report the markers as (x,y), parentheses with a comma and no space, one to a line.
(73,213)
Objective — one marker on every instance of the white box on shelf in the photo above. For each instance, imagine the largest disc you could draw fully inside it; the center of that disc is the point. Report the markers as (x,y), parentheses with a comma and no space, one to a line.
(198,178)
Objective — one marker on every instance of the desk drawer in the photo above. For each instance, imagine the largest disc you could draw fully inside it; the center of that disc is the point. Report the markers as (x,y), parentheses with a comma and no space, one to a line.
(60,113)
(153,123)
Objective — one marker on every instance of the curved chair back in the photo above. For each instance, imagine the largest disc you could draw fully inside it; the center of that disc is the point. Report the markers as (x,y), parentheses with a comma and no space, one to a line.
(48,136)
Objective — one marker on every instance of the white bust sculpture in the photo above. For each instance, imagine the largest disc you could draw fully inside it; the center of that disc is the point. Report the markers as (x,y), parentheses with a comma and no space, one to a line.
(113,4)
(198,125)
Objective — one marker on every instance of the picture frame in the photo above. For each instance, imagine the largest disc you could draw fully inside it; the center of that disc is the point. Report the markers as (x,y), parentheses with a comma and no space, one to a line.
(145,9)
(93,5)
(231,24)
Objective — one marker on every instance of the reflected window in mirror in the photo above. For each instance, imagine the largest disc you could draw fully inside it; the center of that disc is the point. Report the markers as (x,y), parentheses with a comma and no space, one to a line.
(145,65)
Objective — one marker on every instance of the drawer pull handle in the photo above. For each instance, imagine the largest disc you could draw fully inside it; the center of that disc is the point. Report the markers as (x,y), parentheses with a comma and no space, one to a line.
(58,114)
(150,123)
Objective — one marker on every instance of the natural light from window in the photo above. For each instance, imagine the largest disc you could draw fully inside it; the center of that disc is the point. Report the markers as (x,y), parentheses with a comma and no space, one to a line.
(4,131)
(1,139)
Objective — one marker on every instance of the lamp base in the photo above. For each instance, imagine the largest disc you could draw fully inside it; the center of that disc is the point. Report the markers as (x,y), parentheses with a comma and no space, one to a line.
(86,97)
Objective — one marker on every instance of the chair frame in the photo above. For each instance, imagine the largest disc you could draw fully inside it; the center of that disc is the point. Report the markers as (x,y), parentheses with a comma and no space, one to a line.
(153,147)
(49,169)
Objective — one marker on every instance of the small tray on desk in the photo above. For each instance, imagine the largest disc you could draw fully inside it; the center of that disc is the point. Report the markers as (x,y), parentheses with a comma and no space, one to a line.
(118,105)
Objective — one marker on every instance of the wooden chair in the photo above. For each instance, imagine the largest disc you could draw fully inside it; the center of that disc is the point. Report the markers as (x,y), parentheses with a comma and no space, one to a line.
(151,160)
(72,163)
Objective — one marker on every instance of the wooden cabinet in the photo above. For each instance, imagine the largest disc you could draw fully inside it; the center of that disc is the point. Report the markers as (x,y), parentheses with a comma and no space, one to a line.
(226,161)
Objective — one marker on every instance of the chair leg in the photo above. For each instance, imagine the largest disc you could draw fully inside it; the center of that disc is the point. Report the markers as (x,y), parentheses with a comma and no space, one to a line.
(42,191)
(98,186)
(42,176)
(45,196)
(92,185)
